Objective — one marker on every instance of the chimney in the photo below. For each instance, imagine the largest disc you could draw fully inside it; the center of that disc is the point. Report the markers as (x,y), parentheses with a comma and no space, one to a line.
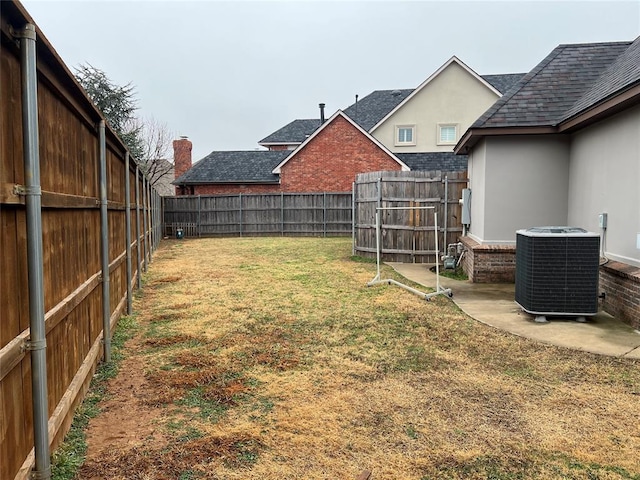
(321,105)
(181,155)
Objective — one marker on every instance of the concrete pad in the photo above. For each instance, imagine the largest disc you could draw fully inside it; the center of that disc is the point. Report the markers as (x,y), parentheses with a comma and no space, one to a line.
(493,304)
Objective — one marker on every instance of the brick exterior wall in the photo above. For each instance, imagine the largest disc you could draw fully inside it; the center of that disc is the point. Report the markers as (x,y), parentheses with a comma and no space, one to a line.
(330,162)
(222,189)
(620,283)
(489,263)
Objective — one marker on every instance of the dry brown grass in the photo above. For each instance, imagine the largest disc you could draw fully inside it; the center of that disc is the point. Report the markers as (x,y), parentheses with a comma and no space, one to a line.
(270,359)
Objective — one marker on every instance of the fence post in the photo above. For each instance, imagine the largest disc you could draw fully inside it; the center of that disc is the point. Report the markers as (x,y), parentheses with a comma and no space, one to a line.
(324,214)
(199,213)
(240,227)
(104,234)
(149,224)
(37,343)
(138,249)
(127,194)
(353,218)
(282,213)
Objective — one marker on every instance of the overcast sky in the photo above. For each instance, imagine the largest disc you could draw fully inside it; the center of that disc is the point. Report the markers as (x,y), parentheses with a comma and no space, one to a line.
(227,74)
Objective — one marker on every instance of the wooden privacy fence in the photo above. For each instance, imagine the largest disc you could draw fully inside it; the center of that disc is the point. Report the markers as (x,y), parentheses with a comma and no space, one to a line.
(407,235)
(99,220)
(291,214)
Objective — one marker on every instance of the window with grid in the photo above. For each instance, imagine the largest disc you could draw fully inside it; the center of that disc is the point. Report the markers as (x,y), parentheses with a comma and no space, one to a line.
(447,134)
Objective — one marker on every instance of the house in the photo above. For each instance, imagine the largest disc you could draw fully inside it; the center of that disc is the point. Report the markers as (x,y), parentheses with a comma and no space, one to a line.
(562,148)
(419,127)
(326,161)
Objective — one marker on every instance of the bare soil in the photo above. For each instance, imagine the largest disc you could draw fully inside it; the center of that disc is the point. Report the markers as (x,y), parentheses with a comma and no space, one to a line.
(271,359)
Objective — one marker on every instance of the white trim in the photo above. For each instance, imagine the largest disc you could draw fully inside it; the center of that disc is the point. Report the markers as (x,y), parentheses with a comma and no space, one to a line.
(271,144)
(339,113)
(428,81)
(397,141)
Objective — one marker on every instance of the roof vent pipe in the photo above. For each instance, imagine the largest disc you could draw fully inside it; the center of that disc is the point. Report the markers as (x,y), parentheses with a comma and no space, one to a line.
(321,105)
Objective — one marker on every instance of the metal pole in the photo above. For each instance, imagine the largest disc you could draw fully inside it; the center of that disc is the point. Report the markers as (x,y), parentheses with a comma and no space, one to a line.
(282,212)
(446,210)
(144,222)
(104,234)
(138,259)
(37,343)
(435,221)
(127,194)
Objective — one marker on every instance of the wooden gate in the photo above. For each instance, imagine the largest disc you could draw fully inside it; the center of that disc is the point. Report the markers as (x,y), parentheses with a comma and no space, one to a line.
(407,235)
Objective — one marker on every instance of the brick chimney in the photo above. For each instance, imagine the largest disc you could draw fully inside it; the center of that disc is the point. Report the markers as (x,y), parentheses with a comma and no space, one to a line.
(181,155)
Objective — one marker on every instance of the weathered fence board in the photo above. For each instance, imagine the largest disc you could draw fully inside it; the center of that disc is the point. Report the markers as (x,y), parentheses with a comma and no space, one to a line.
(71,237)
(292,214)
(408,235)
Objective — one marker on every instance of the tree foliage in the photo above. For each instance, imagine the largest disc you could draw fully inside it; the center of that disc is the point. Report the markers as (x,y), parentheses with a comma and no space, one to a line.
(148,140)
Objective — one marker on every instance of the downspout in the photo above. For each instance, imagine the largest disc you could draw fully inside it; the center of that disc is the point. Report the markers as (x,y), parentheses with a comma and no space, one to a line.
(127,194)
(104,234)
(37,343)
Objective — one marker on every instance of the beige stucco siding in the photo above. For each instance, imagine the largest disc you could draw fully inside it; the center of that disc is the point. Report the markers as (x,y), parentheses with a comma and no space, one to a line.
(523,183)
(453,96)
(605,177)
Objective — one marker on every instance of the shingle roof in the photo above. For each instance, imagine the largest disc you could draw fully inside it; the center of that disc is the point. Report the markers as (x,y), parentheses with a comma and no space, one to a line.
(503,81)
(252,166)
(551,89)
(371,109)
(445,161)
(294,132)
(621,74)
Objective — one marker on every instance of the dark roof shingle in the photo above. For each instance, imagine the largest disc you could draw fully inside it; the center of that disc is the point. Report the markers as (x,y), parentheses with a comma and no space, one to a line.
(253,166)
(294,132)
(369,110)
(503,81)
(425,161)
(544,95)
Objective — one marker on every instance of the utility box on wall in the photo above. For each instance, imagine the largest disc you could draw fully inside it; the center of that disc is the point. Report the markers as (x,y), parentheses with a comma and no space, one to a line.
(557,271)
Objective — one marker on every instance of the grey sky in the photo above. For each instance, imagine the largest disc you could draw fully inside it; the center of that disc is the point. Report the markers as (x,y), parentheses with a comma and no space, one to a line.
(228,74)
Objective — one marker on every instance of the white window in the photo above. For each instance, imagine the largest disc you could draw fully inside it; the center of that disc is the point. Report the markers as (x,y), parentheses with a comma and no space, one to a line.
(447,133)
(405,134)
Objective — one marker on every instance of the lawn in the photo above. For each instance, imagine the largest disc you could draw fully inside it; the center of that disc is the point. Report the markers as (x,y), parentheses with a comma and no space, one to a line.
(269,358)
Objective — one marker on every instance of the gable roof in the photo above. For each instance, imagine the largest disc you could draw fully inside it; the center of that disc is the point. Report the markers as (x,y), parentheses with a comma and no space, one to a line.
(294,132)
(408,98)
(253,166)
(341,114)
(571,80)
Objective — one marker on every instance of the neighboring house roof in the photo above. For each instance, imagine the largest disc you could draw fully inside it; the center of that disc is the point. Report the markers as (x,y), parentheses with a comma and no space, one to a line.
(408,98)
(292,133)
(425,161)
(339,113)
(369,110)
(503,81)
(253,166)
(570,81)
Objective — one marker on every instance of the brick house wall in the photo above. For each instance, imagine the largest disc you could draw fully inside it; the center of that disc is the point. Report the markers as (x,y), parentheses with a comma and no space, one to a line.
(331,160)
(620,284)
